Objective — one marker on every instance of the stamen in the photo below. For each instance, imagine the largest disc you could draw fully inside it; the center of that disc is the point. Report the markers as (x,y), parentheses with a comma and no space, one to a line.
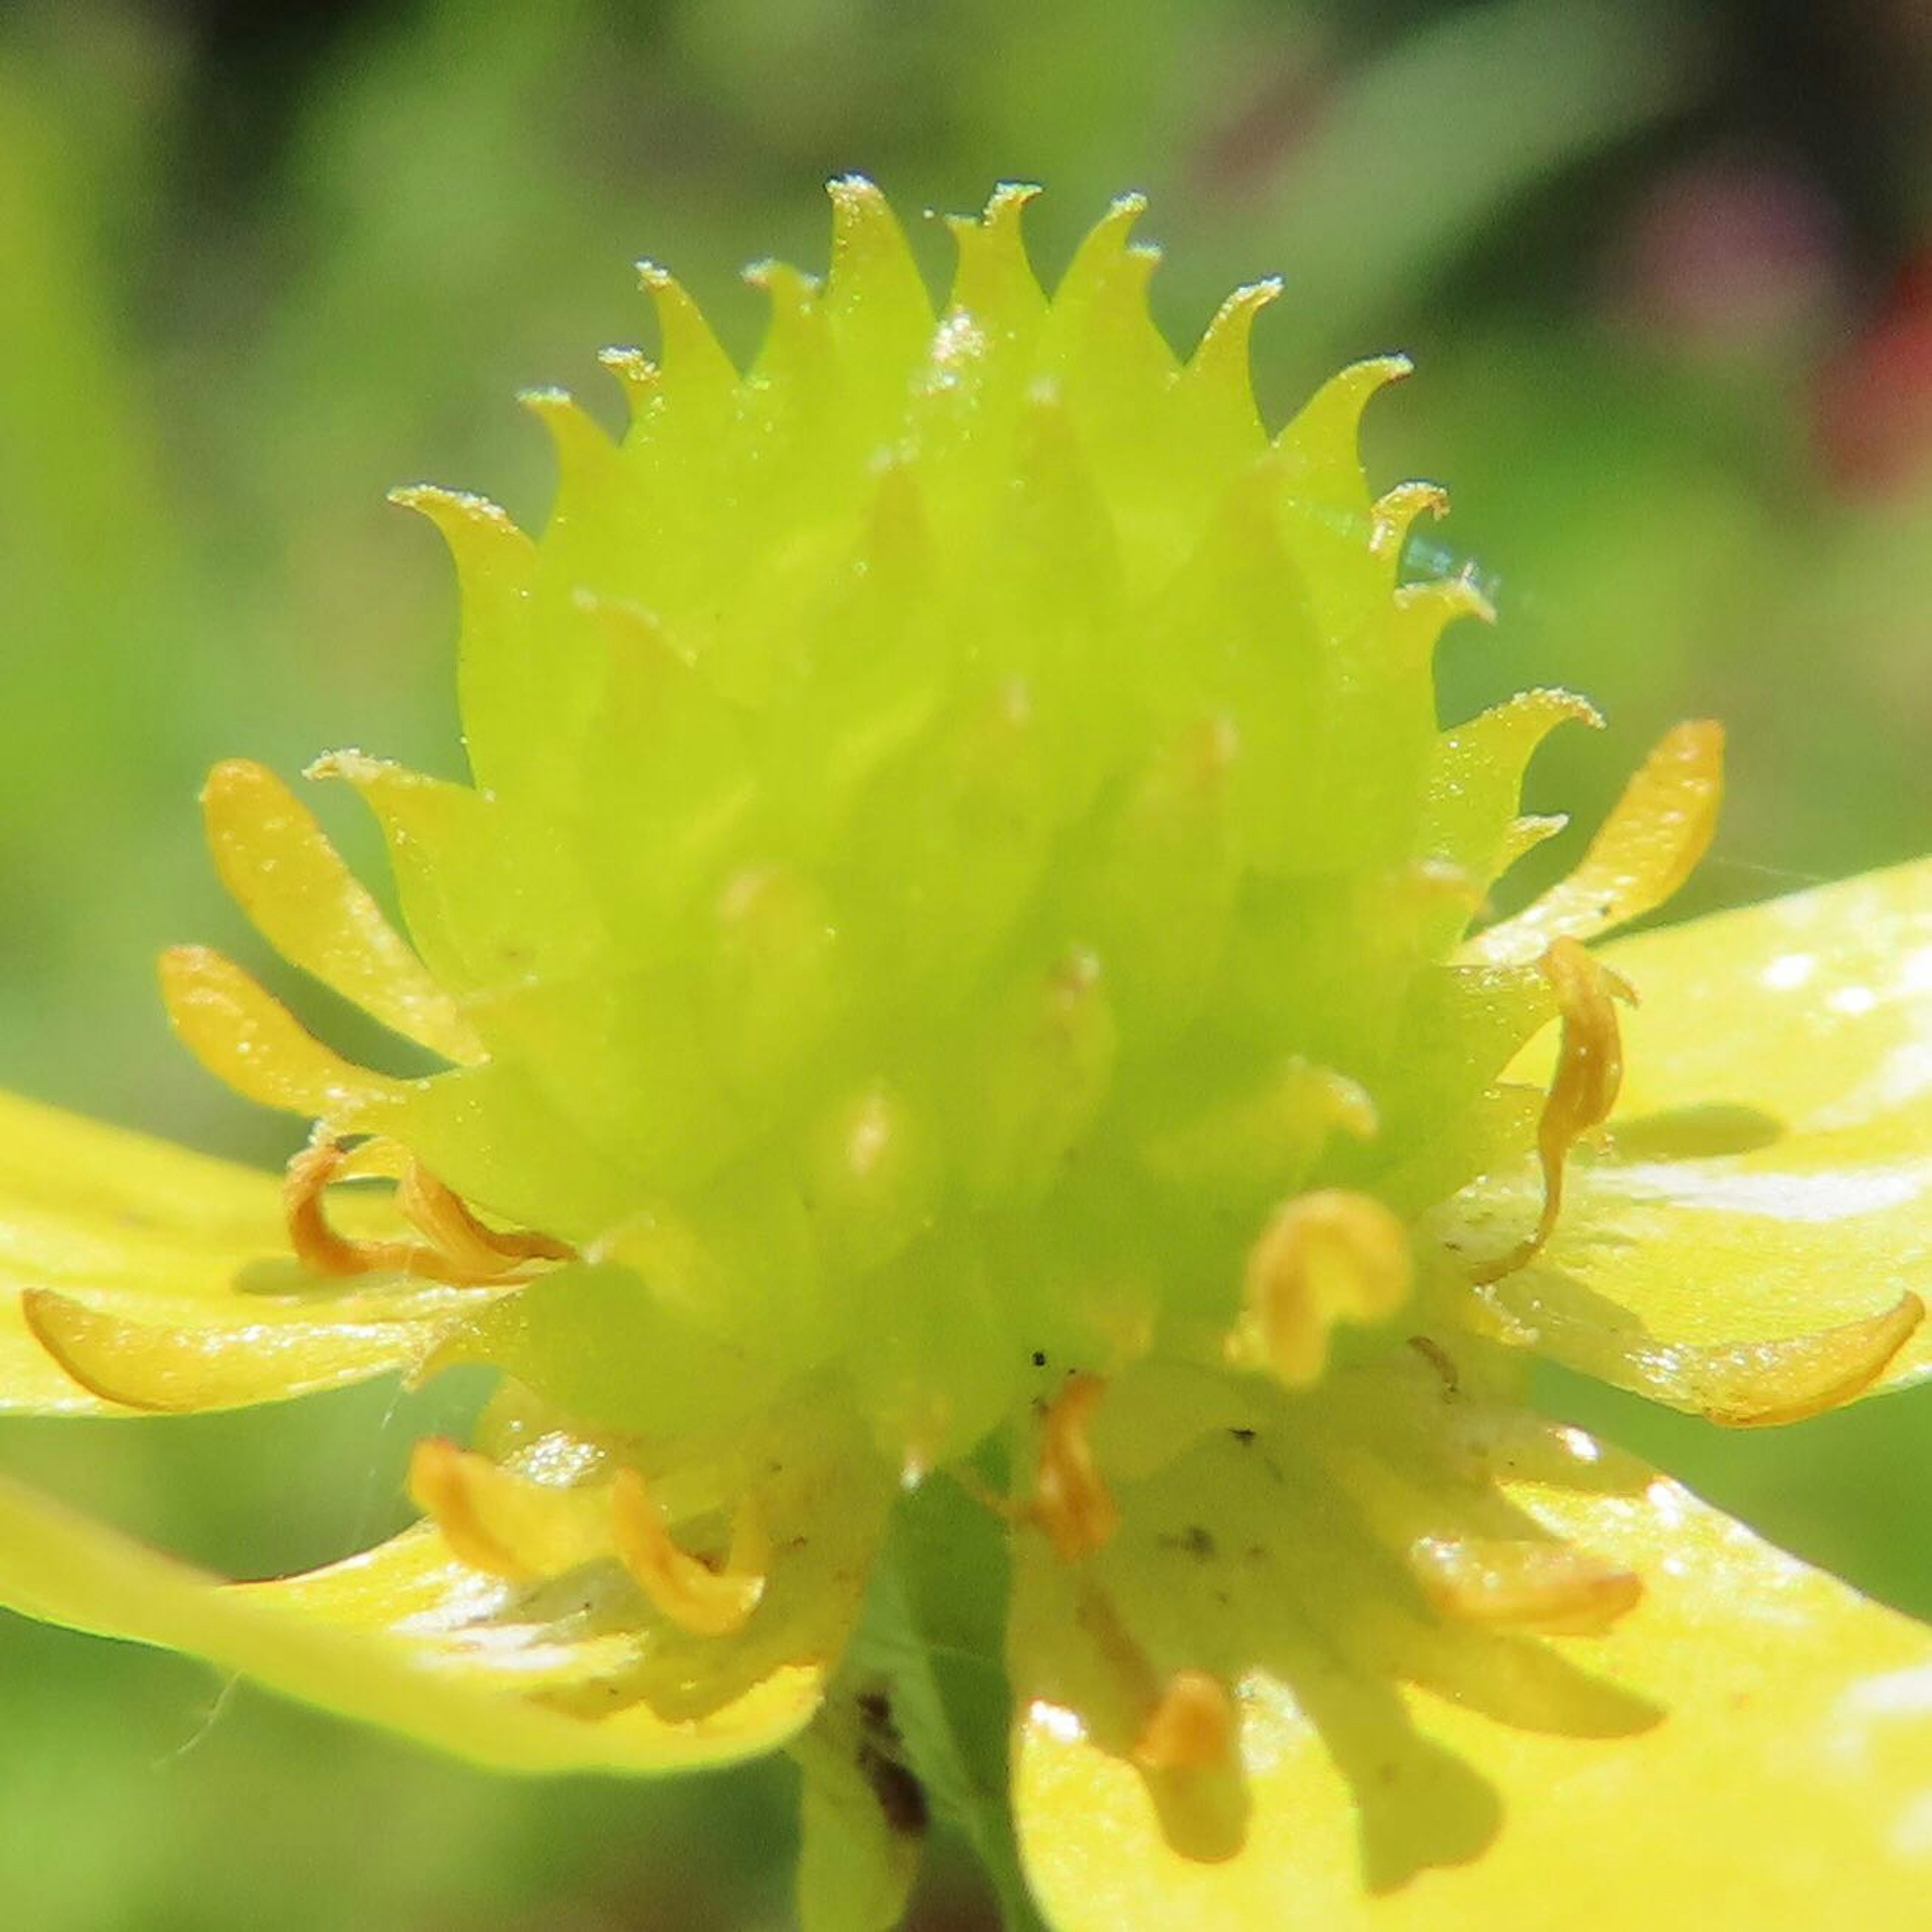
(499,1520)
(1327,1257)
(446,1485)
(457,1235)
(696,1597)
(460,1250)
(1190,1722)
(319,1249)
(1192,1727)
(1589,1072)
(1650,844)
(1522,1583)
(1071,1500)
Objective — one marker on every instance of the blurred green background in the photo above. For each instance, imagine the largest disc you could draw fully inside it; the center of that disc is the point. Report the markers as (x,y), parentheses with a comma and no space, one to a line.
(1664,268)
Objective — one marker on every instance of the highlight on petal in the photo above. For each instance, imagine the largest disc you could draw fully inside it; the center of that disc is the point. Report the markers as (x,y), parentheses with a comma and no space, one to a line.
(1744,1739)
(1753,1240)
(1644,851)
(162,1279)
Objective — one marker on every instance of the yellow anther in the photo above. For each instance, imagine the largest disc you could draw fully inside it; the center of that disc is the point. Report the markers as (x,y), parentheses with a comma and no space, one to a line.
(1521,1584)
(499,1520)
(1589,1072)
(1648,847)
(1326,1257)
(705,1601)
(1192,1726)
(458,1248)
(1071,1501)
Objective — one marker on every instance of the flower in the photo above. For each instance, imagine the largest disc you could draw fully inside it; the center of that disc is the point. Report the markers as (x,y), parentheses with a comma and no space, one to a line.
(1004,1167)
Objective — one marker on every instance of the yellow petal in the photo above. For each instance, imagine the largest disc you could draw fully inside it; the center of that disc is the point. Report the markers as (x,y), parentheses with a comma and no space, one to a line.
(111,1229)
(1748,1745)
(446,1657)
(1648,847)
(292,883)
(1748,1242)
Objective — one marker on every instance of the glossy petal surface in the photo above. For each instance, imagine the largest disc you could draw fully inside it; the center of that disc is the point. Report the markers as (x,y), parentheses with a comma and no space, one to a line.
(573,1670)
(1768,1173)
(183,1263)
(1751,1746)
(433,1649)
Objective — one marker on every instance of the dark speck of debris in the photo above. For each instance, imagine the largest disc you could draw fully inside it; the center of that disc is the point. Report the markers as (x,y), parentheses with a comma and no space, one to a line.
(1442,1361)
(900,1795)
(1039,1358)
(1245,1437)
(1194,1539)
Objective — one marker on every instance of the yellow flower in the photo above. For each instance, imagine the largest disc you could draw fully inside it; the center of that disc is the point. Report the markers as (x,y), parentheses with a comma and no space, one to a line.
(1007,1175)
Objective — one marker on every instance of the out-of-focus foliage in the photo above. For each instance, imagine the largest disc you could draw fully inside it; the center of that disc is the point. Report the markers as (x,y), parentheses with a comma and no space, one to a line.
(1643,253)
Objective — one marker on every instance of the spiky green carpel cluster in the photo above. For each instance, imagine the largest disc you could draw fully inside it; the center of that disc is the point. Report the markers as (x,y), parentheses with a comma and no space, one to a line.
(959,833)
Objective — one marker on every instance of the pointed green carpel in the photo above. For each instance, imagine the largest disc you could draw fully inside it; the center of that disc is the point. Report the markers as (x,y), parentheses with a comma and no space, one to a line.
(966,991)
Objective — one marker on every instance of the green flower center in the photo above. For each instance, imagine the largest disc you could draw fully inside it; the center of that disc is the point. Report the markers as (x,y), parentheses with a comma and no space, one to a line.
(961,884)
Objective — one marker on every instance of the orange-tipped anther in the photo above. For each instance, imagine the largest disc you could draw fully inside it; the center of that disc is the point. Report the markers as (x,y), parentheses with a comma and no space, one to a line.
(1192,1726)
(693,1595)
(1071,1501)
(1589,1074)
